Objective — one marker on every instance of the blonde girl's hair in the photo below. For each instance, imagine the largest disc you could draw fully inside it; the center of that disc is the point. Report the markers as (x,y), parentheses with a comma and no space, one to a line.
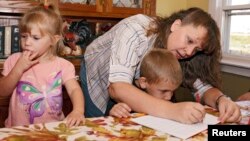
(46,18)
(161,65)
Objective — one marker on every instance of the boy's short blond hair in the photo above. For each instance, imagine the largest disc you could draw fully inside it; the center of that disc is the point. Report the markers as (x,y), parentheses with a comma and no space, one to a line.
(161,65)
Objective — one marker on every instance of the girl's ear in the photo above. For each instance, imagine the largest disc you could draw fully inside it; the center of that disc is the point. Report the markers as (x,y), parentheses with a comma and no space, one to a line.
(142,82)
(175,25)
(57,38)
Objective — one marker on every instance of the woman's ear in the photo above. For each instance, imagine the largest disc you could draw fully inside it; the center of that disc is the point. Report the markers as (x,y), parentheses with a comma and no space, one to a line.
(176,24)
(142,82)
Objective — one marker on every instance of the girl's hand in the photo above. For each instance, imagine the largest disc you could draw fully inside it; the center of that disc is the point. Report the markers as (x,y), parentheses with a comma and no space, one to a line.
(120,110)
(188,112)
(26,60)
(229,110)
(75,118)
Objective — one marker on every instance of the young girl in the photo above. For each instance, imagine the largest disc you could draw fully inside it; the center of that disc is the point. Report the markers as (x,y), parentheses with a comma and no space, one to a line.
(158,78)
(34,77)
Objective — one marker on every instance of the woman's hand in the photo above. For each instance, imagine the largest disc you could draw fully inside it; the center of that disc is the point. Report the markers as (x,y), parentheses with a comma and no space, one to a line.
(120,110)
(229,110)
(75,118)
(188,112)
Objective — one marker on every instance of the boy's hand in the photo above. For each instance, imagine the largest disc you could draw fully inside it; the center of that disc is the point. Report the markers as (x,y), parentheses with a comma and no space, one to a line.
(189,112)
(120,110)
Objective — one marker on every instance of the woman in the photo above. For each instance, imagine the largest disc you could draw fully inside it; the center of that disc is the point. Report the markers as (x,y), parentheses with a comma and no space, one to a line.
(112,61)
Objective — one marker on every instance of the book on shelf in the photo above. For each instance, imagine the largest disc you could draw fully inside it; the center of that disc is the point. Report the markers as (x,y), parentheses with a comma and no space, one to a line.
(2,34)
(9,40)
(15,39)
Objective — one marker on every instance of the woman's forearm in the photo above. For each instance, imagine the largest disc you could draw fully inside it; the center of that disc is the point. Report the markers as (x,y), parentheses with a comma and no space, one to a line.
(211,96)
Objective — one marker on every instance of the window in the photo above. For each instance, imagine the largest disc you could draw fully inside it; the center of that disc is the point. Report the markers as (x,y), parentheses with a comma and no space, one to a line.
(233,19)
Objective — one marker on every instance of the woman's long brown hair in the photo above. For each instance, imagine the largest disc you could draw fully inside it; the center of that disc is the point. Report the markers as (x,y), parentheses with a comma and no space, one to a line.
(204,65)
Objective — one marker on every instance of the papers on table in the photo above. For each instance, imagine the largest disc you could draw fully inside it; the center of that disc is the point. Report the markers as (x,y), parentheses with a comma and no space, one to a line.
(244,107)
(174,128)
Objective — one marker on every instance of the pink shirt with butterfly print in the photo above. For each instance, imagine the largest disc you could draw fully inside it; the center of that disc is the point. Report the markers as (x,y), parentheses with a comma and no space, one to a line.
(38,95)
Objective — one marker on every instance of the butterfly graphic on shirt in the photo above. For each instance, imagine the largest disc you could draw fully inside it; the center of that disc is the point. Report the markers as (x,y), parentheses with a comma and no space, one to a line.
(38,101)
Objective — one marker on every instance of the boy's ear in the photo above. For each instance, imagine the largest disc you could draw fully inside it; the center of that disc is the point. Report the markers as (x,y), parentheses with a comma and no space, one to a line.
(142,82)
(175,25)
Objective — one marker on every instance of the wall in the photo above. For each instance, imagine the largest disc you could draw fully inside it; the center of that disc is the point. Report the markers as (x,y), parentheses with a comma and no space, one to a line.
(166,7)
(233,85)
(198,3)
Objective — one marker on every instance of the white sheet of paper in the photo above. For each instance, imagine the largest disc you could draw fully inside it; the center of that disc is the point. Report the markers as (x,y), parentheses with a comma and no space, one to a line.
(174,128)
(245,107)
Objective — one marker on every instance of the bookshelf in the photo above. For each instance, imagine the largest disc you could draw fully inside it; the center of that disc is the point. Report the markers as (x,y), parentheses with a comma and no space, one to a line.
(95,12)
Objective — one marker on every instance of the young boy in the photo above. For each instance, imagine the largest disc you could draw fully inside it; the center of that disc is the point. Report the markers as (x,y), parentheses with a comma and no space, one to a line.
(160,75)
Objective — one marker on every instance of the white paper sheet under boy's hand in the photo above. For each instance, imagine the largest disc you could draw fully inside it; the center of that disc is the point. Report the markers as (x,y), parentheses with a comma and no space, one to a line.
(174,128)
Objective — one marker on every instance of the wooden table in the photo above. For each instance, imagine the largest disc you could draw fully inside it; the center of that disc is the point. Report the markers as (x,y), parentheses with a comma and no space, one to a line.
(95,129)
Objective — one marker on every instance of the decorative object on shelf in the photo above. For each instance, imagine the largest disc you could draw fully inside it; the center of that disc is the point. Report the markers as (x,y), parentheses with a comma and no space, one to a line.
(127,3)
(74,1)
(101,28)
(88,2)
(76,36)
(91,2)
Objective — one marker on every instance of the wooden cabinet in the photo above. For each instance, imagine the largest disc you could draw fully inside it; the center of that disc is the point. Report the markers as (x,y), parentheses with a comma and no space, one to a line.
(108,8)
(134,7)
(90,8)
(4,104)
(12,7)
(4,107)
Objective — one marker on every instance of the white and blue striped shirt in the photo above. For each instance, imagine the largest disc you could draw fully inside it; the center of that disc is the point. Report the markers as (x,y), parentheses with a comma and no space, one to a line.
(116,56)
